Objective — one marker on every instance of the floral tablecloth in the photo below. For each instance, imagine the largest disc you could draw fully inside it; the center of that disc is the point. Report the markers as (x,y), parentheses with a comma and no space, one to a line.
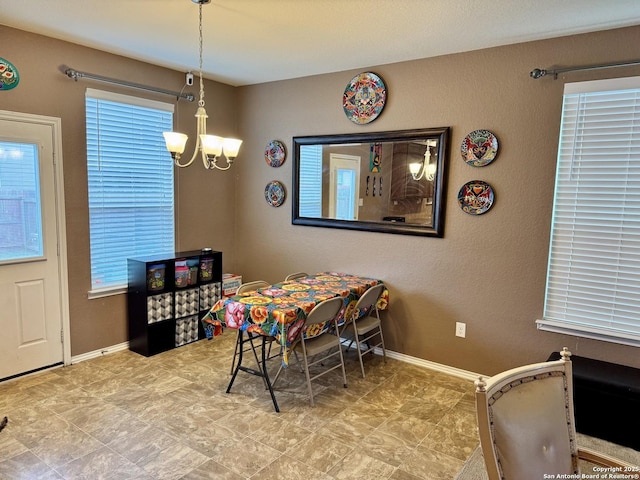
(280,310)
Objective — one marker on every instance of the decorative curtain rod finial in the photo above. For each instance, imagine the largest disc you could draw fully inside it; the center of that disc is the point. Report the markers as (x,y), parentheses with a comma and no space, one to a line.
(537,73)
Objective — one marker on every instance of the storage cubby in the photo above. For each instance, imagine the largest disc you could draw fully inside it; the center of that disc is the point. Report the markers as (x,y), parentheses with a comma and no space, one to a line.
(167,296)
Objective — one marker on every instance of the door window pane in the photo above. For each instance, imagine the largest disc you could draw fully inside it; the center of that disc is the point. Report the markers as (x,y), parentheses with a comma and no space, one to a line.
(20,218)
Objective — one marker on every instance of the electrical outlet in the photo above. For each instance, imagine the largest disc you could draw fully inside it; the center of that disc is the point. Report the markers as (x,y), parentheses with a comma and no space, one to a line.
(461,329)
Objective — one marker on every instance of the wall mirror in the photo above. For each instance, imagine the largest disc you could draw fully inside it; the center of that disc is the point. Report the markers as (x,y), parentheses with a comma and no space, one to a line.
(392,182)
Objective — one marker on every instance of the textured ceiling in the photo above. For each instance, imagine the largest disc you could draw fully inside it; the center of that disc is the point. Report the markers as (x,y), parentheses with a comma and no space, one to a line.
(257,41)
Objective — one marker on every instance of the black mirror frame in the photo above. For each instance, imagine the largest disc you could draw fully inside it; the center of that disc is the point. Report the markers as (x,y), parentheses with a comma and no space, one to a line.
(434,230)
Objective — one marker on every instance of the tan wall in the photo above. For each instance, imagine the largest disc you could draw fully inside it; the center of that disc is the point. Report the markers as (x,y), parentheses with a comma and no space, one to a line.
(205,201)
(487,271)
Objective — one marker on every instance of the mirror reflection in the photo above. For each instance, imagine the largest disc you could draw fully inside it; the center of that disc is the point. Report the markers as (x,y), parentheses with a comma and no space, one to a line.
(387,181)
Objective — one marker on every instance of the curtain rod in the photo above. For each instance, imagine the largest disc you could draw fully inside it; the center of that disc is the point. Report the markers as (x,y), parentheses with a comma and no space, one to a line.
(75,74)
(539,72)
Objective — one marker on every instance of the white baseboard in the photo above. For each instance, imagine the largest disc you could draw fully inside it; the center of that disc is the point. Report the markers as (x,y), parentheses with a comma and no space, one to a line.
(99,353)
(439,367)
(456,372)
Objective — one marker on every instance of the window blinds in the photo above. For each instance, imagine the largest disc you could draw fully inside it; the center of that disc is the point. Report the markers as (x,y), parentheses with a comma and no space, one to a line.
(310,194)
(130,180)
(593,278)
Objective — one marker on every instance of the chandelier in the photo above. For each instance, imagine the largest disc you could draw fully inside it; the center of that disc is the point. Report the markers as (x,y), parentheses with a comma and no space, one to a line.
(211,147)
(424,168)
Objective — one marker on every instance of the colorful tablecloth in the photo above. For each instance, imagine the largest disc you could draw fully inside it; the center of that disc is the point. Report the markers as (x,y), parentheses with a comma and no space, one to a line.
(280,310)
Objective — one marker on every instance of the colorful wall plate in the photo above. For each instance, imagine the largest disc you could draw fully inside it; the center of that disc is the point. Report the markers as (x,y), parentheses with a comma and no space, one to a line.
(475,197)
(479,148)
(274,193)
(364,98)
(9,76)
(275,153)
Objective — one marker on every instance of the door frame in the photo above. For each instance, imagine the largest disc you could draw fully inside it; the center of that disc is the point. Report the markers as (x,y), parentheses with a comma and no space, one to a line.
(61,229)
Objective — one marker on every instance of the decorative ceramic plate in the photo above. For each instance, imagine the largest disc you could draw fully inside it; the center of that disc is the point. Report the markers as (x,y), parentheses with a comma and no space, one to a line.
(274,193)
(475,197)
(364,98)
(275,153)
(479,148)
(9,76)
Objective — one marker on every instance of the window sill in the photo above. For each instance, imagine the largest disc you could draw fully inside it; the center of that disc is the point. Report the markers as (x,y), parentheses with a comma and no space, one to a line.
(106,292)
(588,332)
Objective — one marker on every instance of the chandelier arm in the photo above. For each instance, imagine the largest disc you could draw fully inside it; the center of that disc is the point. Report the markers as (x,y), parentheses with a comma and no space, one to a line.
(200,127)
(418,177)
(182,165)
(195,154)
(206,161)
(215,166)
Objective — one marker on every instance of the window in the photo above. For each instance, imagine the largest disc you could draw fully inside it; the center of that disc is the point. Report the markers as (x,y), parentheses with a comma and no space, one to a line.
(20,214)
(130,179)
(593,278)
(310,181)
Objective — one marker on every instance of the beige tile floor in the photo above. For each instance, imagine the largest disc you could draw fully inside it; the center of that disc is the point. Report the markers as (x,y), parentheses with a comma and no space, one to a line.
(124,416)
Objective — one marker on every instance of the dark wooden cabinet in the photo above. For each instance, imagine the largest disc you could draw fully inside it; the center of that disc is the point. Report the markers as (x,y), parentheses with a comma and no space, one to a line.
(167,296)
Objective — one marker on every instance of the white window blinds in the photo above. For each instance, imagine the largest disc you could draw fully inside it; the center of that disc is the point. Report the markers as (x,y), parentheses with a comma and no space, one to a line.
(310,195)
(130,180)
(593,279)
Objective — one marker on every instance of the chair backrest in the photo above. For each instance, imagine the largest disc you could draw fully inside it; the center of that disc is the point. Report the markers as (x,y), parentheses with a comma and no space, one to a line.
(251,286)
(325,311)
(293,276)
(526,421)
(368,299)
(319,319)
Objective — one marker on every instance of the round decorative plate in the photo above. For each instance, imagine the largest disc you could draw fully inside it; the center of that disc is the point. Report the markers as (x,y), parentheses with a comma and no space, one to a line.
(475,197)
(364,98)
(479,148)
(9,77)
(274,193)
(275,153)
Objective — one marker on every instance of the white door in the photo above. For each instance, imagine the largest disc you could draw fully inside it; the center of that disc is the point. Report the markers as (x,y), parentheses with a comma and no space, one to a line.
(31,284)
(344,186)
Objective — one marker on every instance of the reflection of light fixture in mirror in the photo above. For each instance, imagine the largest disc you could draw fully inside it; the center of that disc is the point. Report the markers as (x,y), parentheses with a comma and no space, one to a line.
(210,146)
(425,168)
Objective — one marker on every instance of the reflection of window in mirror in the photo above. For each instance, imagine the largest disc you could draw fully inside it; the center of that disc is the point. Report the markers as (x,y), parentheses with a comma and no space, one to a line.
(310,191)
(344,186)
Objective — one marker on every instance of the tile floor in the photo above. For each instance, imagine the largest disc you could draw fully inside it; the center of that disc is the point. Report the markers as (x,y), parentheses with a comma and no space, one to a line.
(124,416)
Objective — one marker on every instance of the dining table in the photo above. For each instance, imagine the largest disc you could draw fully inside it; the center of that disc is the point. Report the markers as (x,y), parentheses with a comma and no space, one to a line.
(277,313)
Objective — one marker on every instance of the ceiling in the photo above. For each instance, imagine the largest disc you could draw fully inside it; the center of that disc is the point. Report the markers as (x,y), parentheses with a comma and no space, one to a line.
(256,41)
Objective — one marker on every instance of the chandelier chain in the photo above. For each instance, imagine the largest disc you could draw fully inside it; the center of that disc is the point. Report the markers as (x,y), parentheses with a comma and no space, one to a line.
(201,101)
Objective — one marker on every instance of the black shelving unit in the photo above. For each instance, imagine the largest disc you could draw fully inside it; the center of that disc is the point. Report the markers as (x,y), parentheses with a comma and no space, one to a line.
(164,309)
